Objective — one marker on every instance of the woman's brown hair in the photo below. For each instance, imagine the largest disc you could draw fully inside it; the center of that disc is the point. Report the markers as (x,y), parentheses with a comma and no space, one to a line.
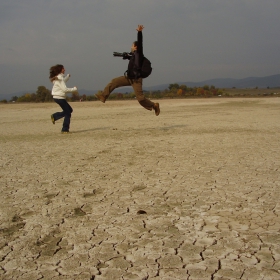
(55,70)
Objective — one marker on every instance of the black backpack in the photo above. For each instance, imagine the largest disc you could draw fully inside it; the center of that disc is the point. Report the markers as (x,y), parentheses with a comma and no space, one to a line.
(144,72)
(146,68)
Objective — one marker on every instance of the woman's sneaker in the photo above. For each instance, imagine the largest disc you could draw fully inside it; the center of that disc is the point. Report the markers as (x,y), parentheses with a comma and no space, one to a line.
(52,118)
(65,132)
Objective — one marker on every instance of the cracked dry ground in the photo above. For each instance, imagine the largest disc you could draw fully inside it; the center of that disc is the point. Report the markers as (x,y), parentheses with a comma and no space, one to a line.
(190,194)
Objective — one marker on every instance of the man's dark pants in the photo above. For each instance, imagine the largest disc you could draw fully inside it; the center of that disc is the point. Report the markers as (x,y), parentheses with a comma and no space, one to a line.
(137,86)
(66,114)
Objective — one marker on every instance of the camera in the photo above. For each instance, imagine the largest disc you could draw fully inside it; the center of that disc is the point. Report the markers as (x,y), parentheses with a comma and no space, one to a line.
(124,55)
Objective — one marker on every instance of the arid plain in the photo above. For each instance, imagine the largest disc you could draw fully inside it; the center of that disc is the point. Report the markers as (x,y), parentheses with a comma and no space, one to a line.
(191,194)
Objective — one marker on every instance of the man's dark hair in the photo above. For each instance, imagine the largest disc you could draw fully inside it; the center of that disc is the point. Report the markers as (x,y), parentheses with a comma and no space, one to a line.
(55,70)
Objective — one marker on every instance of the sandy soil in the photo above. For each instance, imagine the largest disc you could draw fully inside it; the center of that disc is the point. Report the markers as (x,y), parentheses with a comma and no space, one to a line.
(190,194)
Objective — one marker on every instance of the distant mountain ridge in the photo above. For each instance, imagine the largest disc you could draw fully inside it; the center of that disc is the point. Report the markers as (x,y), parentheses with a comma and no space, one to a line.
(272,81)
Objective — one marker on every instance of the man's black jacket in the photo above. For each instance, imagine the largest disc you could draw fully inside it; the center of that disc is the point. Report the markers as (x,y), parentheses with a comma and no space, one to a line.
(136,59)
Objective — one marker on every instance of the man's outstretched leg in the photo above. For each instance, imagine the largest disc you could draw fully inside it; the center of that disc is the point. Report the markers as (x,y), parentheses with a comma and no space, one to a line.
(143,101)
(115,83)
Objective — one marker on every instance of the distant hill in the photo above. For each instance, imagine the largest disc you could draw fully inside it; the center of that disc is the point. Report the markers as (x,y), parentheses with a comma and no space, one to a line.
(250,82)
(272,81)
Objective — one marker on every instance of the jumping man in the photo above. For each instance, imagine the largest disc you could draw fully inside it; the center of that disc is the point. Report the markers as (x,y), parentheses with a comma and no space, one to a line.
(133,76)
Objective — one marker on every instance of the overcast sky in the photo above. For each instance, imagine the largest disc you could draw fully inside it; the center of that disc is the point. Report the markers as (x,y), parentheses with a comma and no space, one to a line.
(186,40)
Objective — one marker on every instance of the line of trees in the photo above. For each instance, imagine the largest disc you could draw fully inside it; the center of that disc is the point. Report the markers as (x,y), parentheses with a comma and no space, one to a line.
(173,91)
(44,95)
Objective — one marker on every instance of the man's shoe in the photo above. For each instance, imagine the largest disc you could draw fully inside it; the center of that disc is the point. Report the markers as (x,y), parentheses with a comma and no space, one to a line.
(100,97)
(156,108)
(52,118)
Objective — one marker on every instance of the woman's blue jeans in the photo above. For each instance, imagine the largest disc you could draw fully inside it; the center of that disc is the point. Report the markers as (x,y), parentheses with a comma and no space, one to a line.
(66,114)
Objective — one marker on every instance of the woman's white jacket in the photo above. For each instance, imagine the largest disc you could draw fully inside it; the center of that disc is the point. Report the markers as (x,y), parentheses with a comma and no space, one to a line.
(59,87)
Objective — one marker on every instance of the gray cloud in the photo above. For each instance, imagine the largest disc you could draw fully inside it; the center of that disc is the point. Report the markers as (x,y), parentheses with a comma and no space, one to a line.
(185,40)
